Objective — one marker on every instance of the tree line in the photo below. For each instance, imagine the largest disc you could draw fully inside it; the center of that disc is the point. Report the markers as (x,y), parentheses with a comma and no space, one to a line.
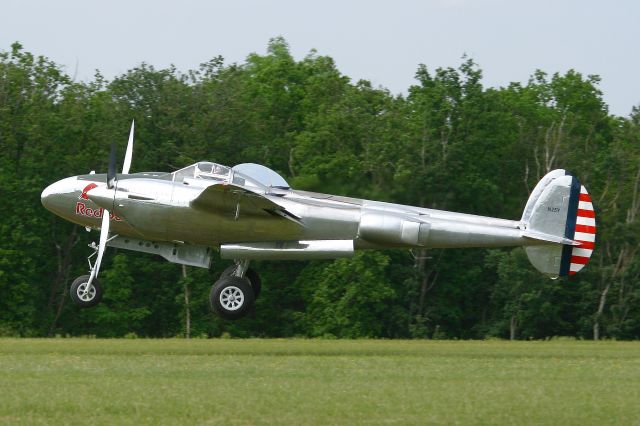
(448,143)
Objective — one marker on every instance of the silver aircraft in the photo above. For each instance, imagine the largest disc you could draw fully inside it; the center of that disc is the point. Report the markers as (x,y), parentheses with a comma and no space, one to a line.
(249,212)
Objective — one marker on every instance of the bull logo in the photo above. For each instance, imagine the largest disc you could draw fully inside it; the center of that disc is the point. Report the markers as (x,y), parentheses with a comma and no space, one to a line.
(86,189)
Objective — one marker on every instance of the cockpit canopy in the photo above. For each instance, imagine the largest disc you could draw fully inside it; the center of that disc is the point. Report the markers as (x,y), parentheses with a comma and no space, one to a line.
(261,174)
(247,174)
(203,170)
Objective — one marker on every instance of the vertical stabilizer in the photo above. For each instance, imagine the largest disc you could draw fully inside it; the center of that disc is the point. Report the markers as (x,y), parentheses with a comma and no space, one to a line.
(560,206)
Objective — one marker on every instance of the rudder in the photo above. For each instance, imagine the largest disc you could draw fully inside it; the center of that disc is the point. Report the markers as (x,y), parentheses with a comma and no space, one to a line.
(584,233)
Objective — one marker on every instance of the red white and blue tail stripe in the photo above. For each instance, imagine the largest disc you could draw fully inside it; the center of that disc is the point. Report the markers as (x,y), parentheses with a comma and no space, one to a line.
(580,227)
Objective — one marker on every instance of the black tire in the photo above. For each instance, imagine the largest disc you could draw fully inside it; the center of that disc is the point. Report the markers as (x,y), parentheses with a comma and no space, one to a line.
(231,297)
(79,294)
(251,275)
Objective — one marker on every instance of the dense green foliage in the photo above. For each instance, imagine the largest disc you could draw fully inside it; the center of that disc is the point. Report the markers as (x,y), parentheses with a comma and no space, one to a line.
(450,143)
(312,381)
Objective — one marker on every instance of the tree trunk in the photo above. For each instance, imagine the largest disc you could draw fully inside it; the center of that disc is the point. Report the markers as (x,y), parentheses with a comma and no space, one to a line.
(187,308)
(603,300)
(421,264)
(427,278)
(63,253)
(513,326)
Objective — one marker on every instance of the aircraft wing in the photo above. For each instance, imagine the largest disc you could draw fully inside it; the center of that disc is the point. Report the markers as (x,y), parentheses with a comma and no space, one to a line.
(236,200)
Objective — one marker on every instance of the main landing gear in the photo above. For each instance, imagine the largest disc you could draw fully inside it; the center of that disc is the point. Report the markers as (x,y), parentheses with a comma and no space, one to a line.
(231,297)
(234,293)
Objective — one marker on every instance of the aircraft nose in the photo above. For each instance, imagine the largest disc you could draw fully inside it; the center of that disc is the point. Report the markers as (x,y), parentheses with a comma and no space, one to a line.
(45,197)
(51,192)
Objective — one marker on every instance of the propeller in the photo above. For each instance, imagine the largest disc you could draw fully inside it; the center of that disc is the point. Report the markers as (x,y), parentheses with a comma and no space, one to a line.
(111,171)
(104,233)
(128,154)
(112,182)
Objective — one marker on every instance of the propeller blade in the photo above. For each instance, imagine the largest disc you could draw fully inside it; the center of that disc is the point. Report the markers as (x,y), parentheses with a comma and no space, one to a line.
(111,181)
(127,156)
(104,234)
(111,172)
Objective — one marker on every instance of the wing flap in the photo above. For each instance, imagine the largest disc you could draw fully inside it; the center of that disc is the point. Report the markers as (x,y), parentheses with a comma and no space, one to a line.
(236,200)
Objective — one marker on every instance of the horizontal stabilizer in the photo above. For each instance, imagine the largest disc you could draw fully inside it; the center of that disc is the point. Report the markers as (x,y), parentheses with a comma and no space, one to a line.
(549,238)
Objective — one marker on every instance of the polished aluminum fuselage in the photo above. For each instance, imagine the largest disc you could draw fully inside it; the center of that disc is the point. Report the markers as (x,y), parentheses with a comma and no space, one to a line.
(154,207)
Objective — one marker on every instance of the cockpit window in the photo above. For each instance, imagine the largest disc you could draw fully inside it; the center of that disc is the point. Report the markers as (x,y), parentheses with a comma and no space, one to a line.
(204,167)
(238,180)
(263,176)
(206,170)
(187,172)
(203,170)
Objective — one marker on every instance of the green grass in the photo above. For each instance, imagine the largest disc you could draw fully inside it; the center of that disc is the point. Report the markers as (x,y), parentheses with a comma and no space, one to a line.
(256,381)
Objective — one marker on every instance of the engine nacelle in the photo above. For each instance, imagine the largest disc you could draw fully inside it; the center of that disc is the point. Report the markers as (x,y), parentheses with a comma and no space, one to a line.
(390,229)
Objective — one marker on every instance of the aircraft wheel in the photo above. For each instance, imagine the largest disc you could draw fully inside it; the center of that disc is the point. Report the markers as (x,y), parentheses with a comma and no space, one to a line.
(231,297)
(251,275)
(83,295)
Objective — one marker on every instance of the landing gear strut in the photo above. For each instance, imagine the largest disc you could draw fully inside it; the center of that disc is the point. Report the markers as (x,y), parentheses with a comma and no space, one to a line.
(249,273)
(86,291)
(234,293)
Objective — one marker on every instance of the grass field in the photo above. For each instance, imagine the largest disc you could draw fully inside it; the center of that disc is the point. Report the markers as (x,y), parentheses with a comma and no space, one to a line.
(257,381)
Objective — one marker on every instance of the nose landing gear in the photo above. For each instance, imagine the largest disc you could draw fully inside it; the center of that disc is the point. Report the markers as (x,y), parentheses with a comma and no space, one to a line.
(86,291)
(85,294)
